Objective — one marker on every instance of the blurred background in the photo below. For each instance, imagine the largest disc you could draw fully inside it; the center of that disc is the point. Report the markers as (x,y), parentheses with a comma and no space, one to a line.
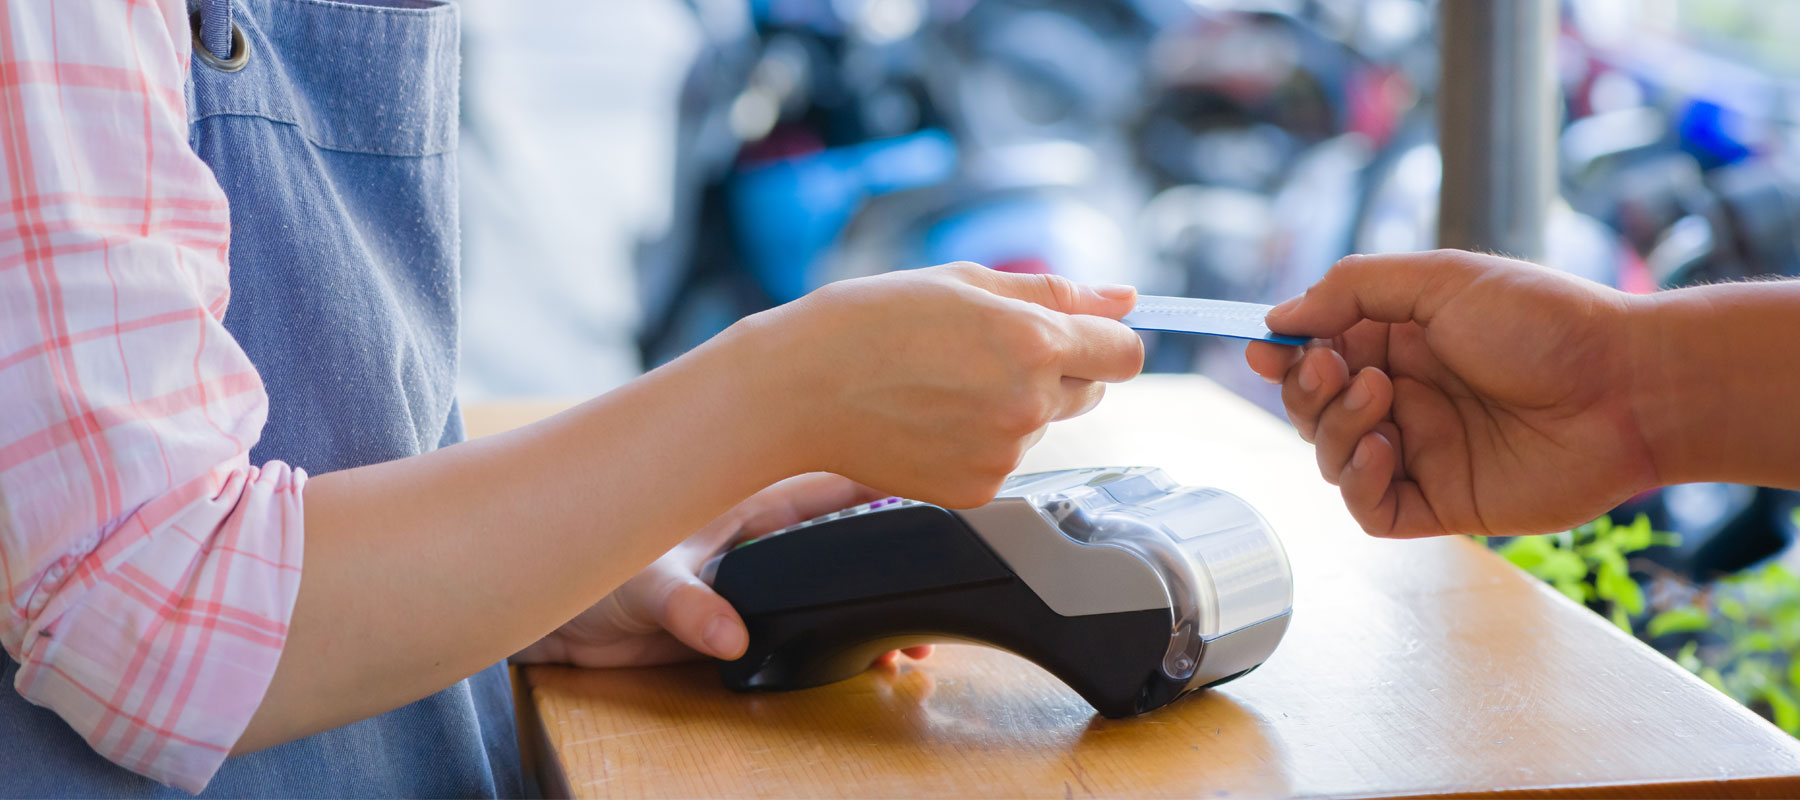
(639,175)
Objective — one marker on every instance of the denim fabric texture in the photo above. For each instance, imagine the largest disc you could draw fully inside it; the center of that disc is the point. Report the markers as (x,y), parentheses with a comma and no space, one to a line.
(215,28)
(336,148)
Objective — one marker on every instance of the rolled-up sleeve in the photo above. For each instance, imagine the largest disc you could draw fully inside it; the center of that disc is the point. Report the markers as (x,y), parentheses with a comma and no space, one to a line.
(148,570)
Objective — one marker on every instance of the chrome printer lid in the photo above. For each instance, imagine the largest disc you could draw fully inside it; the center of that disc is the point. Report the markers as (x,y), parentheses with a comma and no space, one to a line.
(1220,563)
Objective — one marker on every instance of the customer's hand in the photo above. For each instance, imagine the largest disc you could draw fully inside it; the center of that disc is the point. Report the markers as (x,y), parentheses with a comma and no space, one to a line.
(1451,392)
(667,614)
(932,383)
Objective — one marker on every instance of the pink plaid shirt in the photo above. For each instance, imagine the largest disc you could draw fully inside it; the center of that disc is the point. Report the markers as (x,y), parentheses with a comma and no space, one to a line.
(148,570)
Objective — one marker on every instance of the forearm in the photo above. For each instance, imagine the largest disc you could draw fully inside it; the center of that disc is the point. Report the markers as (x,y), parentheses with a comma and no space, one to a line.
(1718,378)
(420,572)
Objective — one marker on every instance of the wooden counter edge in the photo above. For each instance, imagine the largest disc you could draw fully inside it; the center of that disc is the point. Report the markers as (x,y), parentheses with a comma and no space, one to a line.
(1770,786)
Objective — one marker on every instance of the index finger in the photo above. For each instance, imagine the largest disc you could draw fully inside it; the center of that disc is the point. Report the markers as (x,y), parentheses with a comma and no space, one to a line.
(801,498)
(1396,287)
(1054,292)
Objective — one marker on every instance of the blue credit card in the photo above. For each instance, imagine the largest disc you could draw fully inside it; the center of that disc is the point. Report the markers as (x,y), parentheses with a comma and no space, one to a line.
(1206,317)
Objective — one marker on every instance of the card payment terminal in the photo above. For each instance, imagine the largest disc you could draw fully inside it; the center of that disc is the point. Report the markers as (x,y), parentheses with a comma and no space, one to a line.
(1129,588)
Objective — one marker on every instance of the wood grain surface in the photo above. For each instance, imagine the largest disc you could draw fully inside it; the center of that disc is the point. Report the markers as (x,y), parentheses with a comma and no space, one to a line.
(1412,668)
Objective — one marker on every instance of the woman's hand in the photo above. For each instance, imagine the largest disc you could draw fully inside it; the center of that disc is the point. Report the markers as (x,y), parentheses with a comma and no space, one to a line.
(666,613)
(927,384)
(1452,392)
(932,383)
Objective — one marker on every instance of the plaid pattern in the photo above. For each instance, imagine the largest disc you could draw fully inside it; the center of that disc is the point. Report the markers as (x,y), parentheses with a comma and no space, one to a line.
(147,570)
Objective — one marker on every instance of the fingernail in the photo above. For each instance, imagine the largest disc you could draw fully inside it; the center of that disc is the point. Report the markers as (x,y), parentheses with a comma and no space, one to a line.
(1358,396)
(724,639)
(1114,291)
(1309,377)
(1363,453)
(1287,305)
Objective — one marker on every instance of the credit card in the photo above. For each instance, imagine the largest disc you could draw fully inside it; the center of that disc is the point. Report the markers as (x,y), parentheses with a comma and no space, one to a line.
(1207,317)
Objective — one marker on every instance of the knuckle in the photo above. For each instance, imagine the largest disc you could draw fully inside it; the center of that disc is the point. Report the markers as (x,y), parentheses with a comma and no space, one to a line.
(836,293)
(1023,414)
(1004,462)
(994,319)
(1060,290)
(1348,263)
(822,294)
(1088,397)
(967,270)
(1463,259)
(1033,340)
(973,491)
(1040,411)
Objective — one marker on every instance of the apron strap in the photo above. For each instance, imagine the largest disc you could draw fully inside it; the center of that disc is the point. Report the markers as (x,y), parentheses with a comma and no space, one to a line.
(215,28)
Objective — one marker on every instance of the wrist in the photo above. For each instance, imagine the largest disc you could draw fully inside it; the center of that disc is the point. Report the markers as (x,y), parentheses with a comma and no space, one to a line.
(767,391)
(1661,391)
(709,418)
(1715,381)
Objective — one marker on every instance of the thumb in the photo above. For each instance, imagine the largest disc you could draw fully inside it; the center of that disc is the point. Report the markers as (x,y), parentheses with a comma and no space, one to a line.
(701,619)
(1396,287)
(1056,292)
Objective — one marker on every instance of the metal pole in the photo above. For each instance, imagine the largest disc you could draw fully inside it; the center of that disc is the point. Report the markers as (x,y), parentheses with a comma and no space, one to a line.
(1497,118)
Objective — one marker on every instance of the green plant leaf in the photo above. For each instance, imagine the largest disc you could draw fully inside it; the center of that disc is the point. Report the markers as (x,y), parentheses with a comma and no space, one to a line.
(1783,708)
(1713,677)
(1620,618)
(1575,590)
(1686,619)
(1779,576)
(1613,583)
(1732,608)
(1599,550)
(1784,625)
(1756,642)
(1637,535)
(1527,552)
(1561,565)
(1689,657)
(1631,597)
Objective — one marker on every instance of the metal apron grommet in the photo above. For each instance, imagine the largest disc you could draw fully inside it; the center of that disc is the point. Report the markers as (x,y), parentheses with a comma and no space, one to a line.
(240,52)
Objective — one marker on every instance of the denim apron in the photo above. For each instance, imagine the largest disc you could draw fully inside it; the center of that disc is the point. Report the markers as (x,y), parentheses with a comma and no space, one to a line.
(335,143)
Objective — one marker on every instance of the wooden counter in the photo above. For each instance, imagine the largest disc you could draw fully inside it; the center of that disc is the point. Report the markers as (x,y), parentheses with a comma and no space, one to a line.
(1423,667)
